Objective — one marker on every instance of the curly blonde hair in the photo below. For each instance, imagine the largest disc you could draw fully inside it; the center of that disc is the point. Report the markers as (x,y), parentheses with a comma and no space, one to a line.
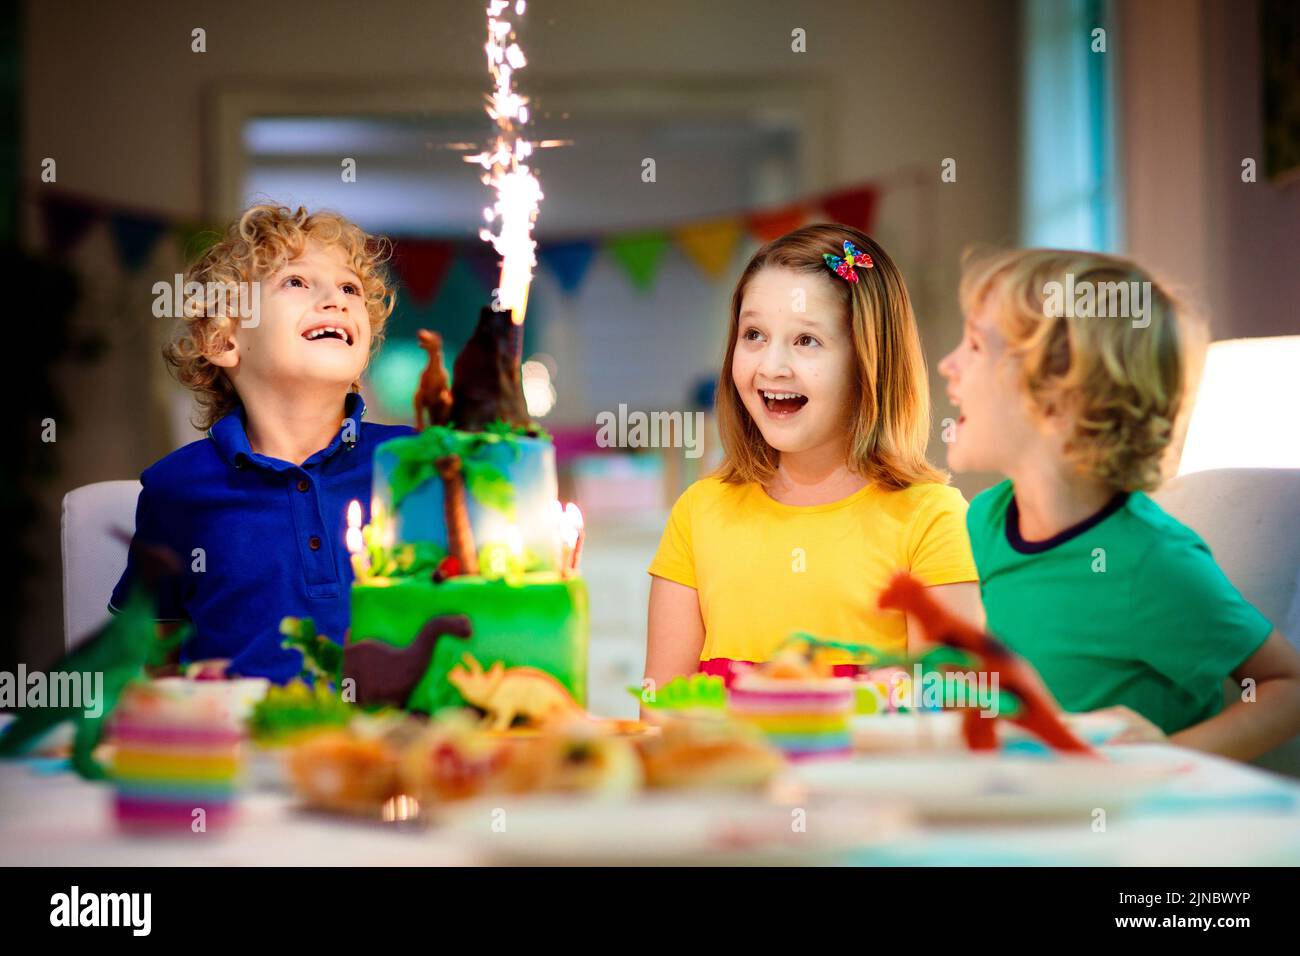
(263,239)
(1121,381)
(890,419)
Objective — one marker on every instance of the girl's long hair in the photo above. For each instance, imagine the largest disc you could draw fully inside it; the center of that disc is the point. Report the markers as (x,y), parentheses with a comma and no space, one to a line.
(889,422)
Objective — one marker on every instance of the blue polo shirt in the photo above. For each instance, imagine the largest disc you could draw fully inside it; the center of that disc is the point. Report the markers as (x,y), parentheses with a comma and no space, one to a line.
(259,539)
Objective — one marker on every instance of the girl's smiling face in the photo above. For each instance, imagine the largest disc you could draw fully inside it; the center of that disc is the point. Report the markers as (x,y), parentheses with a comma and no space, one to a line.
(793,368)
(995,427)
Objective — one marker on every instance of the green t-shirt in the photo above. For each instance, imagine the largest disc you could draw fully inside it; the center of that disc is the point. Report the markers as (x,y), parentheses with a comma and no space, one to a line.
(1126,607)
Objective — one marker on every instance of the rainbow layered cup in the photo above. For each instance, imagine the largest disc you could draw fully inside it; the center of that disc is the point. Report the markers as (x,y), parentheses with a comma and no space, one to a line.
(176,759)
(805,719)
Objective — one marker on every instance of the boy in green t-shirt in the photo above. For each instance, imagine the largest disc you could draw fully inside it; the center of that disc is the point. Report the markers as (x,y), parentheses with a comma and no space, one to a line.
(1068,378)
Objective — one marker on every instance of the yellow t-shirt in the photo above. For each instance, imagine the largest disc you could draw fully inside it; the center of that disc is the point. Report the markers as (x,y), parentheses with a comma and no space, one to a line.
(763,569)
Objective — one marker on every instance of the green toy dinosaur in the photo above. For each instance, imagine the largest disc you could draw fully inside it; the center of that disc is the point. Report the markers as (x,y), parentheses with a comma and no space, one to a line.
(322,659)
(121,651)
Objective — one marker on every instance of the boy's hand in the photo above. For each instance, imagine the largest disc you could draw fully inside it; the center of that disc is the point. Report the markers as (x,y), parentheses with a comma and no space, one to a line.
(1137,729)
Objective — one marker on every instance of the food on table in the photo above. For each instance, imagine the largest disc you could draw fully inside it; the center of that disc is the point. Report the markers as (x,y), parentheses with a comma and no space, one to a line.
(176,759)
(353,769)
(801,710)
(692,753)
(289,712)
(693,694)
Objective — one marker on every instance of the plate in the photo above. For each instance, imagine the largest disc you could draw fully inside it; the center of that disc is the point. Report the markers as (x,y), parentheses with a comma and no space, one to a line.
(939,731)
(671,829)
(986,786)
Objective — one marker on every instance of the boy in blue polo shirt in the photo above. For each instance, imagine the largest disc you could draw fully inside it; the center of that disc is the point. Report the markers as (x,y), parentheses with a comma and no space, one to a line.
(1117,604)
(293,305)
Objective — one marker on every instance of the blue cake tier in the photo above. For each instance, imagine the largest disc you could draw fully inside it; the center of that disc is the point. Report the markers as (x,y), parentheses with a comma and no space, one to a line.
(510,494)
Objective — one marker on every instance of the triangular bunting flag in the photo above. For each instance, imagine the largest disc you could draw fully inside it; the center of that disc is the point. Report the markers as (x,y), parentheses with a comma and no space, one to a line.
(568,262)
(135,237)
(773,223)
(195,239)
(853,207)
(66,222)
(484,263)
(422,264)
(640,254)
(710,245)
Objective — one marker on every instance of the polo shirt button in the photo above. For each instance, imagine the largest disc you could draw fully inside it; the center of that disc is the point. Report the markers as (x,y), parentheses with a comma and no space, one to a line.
(314,542)
(303,484)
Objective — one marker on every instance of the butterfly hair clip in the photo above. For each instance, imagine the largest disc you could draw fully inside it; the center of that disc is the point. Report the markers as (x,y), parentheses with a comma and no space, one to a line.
(843,267)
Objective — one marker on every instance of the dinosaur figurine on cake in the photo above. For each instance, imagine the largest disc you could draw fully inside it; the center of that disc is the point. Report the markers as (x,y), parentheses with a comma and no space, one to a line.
(433,398)
(520,692)
(385,674)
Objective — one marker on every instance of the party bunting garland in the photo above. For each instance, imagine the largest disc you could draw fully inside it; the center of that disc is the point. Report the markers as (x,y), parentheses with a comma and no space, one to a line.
(710,245)
(421,264)
(640,254)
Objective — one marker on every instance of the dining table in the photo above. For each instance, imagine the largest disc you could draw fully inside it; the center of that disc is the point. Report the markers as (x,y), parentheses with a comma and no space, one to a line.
(1203,810)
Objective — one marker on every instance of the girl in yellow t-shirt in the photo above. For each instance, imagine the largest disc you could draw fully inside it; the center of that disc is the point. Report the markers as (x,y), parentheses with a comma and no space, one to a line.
(824,491)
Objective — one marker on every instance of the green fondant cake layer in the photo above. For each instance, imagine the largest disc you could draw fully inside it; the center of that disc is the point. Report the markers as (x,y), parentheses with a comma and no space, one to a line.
(539,622)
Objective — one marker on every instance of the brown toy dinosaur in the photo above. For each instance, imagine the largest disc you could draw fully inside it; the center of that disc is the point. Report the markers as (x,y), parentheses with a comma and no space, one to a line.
(1037,714)
(518,692)
(433,397)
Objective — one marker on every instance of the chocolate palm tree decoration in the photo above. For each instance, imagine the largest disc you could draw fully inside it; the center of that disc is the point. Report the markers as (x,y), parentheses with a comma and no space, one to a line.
(460,534)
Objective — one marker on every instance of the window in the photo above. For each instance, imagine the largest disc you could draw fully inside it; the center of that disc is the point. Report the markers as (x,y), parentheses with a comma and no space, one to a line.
(1068,160)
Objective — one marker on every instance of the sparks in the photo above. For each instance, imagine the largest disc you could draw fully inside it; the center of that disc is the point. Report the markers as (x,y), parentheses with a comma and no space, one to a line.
(518,192)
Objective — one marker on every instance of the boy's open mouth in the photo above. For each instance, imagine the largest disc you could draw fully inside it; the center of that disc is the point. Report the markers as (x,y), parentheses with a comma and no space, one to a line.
(783,403)
(328,332)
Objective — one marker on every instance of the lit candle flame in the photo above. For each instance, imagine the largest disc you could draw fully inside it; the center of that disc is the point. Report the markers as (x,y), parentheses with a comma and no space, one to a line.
(518,191)
(353,539)
(571,524)
(571,535)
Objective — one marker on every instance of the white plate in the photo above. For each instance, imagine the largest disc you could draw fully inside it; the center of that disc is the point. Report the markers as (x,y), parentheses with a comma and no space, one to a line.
(968,786)
(940,731)
(670,829)
(922,731)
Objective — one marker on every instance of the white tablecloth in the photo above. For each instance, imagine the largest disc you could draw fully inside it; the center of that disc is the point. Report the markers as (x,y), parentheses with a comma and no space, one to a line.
(1218,812)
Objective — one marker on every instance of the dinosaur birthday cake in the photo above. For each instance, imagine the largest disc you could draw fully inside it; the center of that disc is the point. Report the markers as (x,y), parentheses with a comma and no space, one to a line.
(467,570)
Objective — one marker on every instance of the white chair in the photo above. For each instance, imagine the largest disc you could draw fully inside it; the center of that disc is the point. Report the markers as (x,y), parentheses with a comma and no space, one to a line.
(1250,518)
(93,557)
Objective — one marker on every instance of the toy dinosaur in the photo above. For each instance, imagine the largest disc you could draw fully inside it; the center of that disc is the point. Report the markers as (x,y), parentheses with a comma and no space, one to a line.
(386,674)
(322,659)
(506,695)
(1037,713)
(433,397)
(120,651)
